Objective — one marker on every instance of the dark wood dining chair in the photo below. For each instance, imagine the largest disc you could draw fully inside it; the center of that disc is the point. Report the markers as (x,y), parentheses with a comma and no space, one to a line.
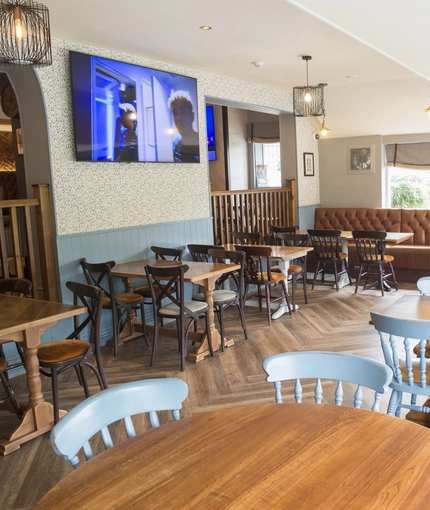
(161,253)
(100,275)
(61,355)
(168,298)
(370,246)
(246,237)
(275,229)
(328,252)
(297,268)
(200,252)
(258,273)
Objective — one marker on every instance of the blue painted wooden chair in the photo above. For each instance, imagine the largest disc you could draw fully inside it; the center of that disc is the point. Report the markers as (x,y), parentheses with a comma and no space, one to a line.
(404,346)
(121,402)
(423,285)
(364,372)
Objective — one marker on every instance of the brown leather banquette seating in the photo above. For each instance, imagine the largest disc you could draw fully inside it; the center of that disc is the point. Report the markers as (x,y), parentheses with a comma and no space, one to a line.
(411,258)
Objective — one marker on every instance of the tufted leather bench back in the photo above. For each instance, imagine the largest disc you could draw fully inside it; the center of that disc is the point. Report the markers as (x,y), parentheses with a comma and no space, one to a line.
(388,220)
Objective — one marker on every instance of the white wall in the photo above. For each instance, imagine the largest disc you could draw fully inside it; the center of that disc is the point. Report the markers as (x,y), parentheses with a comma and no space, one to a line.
(338,188)
(238,148)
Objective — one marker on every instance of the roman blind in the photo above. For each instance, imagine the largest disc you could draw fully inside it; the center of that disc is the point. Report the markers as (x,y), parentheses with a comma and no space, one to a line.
(263,132)
(408,155)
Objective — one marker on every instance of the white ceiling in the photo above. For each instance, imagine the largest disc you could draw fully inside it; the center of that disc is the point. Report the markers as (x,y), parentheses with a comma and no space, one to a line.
(371,53)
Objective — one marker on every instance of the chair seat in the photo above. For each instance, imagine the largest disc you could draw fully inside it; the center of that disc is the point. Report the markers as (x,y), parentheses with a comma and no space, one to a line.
(331,256)
(125,297)
(419,417)
(415,371)
(264,278)
(3,365)
(294,269)
(62,350)
(375,258)
(219,296)
(172,310)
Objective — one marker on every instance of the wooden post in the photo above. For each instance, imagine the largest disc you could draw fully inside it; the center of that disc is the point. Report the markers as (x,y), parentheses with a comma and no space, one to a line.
(292,202)
(45,234)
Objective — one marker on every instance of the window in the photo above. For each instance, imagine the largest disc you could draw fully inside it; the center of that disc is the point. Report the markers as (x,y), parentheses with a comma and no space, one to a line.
(267,165)
(408,188)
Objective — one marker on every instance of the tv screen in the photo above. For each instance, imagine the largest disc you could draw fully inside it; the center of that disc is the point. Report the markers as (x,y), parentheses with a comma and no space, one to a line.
(210,129)
(125,112)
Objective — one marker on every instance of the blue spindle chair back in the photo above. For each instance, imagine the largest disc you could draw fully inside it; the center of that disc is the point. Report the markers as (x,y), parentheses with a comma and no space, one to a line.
(94,414)
(364,372)
(404,345)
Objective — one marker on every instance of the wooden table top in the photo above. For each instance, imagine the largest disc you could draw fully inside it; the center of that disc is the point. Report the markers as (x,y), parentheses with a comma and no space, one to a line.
(414,307)
(271,456)
(197,271)
(280,252)
(19,314)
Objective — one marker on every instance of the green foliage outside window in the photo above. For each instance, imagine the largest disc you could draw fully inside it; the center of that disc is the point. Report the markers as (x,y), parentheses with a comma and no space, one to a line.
(410,192)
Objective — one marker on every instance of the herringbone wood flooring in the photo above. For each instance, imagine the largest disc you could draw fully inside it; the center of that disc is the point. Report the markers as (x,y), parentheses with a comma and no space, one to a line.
(331,321)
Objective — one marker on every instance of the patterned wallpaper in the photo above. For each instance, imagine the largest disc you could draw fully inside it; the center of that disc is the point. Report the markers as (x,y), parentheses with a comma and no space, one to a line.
(309,187)
(95,196)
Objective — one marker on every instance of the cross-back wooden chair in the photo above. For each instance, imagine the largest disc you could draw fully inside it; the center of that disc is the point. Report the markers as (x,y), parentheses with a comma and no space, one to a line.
(119,303)
(161,253)
(275,229)
(246,237)
(317,365)
(73,352)
(328,251)
(168,298)
(200,252)
(297,268)
(370,246)
(258,273)
(111,405)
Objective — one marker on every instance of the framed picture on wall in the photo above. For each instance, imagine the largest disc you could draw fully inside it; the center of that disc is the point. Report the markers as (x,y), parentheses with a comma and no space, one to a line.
(308,164)
(361,159)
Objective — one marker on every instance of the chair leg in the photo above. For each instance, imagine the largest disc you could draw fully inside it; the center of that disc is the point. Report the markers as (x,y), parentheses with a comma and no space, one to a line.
(293,290)
(221,325)
(84,381)
(393,274)
(142,313)
(269,315)
(11,394)
(336,276)
(242,319)
(357,283)
(154,341)
(54,381)
(115,331)
(316,274)
(381,277)
(305,289)
(287,298)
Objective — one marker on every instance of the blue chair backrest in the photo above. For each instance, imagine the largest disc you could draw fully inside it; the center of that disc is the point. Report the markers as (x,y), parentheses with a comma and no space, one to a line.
(95,413)
(364,372)
(423,285)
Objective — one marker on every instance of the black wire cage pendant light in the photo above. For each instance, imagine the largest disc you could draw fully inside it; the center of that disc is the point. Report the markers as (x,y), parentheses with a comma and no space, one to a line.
(308,100)
(25,34)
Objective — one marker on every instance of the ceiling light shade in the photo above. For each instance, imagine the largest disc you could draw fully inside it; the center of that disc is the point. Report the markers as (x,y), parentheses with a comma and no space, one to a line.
(25,34)
(427,110)
(323,130)
(308,100)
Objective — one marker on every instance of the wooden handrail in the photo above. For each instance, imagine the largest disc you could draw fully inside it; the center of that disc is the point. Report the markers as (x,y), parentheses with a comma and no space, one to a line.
(252,211)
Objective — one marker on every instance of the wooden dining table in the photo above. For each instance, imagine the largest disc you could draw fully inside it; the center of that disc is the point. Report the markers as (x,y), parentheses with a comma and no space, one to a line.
(283,254)
(24,320)
(203,274)
(270,456)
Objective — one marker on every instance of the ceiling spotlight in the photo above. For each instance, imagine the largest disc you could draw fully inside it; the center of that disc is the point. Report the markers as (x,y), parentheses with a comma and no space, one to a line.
(205,27)
(258,64)
(427,110)
(308,99)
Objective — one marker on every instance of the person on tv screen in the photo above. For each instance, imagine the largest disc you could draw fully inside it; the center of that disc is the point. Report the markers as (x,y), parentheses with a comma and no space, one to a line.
(186,147)
(127,149)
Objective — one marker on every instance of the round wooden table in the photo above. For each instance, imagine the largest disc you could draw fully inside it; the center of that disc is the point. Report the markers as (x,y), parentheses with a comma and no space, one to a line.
(272,456)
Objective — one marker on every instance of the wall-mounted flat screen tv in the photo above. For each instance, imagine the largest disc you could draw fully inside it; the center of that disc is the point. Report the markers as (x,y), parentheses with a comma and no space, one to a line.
(210,129)
(125,112)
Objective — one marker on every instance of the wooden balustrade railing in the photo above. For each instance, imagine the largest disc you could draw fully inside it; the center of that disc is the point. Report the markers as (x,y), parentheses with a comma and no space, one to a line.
(252,211)
(23,254)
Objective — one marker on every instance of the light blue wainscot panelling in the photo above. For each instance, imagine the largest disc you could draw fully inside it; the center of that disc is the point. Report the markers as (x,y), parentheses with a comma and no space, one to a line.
(306,215)
(120,245)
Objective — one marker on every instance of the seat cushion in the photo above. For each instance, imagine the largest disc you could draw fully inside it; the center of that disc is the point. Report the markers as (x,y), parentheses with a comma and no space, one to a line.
(62,350)
(220,296)
(128,298)
(172,310)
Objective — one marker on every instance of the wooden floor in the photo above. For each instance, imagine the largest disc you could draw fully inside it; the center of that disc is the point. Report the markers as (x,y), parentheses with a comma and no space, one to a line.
(331,321)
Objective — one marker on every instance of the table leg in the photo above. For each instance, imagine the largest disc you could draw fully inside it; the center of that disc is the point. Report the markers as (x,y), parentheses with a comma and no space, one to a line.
(39,416)
(283,307)
(203,349)
(343,279)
